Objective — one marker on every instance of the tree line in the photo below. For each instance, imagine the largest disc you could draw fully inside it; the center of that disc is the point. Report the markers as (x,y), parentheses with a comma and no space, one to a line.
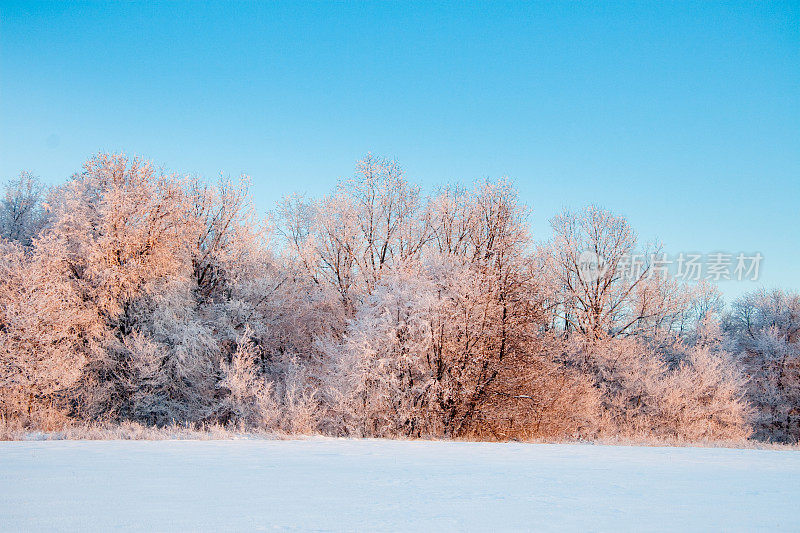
(132,294)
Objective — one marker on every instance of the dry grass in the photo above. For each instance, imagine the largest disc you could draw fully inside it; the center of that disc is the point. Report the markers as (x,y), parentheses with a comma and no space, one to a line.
(16,430)
(747,444)
(648,440)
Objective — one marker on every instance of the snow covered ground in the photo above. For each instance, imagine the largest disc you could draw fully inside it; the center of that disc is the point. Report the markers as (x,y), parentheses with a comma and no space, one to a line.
(328,484)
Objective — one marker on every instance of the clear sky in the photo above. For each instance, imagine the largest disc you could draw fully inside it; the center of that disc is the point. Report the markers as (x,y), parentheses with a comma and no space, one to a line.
(684,117)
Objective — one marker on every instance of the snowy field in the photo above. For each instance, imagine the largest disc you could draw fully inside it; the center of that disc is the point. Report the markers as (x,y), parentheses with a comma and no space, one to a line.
(334,485)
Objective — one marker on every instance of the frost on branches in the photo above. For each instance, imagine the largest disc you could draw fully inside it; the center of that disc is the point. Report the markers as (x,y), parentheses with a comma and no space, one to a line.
(131,294)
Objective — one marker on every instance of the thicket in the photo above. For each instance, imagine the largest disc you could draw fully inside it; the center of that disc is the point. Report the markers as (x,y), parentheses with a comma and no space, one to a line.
(129,295)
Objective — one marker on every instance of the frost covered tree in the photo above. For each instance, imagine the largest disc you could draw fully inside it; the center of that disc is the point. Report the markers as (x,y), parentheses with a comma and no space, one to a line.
(47,332)
(537,394)
(427,342)
(704,398)
(645,394)
(377,310)
(623,292)
(120,228)
(158,268)
(764,330)
(420,353)
(370,222)
(384,381)
(22,209)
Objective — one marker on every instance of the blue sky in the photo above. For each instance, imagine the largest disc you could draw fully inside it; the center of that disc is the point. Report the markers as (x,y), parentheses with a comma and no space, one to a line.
(684,117)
